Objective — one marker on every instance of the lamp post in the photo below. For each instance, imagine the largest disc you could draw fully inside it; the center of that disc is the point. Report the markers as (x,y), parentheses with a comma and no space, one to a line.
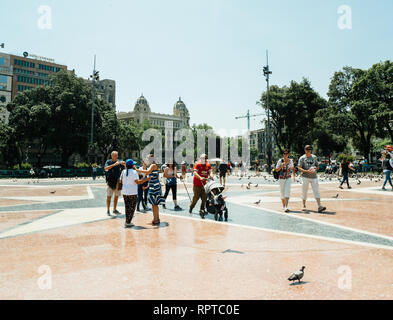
(267,73)
(27,153)
(94,77)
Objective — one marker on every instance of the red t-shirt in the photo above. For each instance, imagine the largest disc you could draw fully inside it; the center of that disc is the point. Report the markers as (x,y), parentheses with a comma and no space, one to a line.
(203,171)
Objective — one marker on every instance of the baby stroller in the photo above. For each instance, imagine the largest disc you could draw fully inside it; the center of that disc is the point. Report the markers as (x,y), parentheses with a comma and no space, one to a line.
(215,203)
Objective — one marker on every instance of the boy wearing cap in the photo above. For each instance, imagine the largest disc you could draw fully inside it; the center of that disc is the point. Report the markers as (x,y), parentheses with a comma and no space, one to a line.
(130,180)
(308,166)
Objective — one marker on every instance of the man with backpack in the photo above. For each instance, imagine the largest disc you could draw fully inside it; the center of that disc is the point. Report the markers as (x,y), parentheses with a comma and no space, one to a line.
(113,168)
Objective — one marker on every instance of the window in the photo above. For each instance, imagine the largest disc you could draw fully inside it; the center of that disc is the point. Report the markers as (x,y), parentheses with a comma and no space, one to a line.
(1,61)
(3,82)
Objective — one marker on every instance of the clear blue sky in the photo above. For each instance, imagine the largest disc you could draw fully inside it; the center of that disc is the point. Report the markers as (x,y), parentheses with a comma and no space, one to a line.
(209,52)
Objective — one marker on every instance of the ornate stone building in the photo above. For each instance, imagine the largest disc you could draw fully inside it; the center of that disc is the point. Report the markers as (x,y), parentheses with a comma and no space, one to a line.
(178,120)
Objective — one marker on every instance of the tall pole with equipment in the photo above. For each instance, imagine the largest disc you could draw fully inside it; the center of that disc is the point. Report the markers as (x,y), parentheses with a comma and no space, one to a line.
(94,77)
(267,73)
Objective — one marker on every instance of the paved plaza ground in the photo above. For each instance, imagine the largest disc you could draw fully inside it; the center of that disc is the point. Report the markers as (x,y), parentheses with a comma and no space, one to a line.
(60,226)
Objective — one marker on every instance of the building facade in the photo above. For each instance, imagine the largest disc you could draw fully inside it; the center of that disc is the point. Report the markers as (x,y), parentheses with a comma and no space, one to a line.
(259,141)
(105,90)
(178,120)
(21,73)
(6,75)
(32,72)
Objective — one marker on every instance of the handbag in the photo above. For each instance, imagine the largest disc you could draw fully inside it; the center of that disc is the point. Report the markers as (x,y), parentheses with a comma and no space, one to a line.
(276,174)
(171,181)
(119,185)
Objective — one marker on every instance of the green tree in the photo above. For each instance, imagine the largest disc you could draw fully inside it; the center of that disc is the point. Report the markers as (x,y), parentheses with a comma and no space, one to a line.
(71,102)
(351,111)
(379,80)
(293,110)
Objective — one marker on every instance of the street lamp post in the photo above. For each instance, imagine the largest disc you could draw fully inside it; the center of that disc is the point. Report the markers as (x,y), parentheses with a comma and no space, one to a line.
(95,77)
(267,73)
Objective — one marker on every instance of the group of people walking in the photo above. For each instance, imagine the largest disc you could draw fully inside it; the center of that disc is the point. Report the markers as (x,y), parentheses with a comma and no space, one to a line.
(137,185)
(308,166)
(140,186)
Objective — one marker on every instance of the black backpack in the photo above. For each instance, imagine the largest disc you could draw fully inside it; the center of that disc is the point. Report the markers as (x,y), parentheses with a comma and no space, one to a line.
(276,174)
(388,165)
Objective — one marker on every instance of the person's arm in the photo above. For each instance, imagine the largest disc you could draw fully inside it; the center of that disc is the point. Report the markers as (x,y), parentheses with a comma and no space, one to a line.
(211,173)
(300,168)
(278,166)
(148,171)
(142,181)
(165,174)
(177,177)
(107,168)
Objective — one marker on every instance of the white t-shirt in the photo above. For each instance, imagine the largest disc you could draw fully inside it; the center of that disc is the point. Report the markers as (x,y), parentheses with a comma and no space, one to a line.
(130,188)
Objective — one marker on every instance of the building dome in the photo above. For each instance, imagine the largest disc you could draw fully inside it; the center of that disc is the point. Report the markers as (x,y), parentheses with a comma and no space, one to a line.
(142,105)
(180,109)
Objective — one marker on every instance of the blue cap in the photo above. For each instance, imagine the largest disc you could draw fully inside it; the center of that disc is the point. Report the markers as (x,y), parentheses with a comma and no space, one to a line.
(130,163)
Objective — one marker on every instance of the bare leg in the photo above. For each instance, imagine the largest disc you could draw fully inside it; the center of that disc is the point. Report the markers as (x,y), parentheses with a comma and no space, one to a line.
(283,203)
(115,200)
(156,216)
(318,201)
(108,203)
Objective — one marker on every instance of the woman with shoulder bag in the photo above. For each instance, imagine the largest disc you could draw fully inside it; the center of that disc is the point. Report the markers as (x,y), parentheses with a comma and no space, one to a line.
(170,173)
(286,170)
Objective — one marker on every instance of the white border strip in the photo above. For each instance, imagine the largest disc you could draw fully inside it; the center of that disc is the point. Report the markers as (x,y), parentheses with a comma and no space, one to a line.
(365,244)
(316,221)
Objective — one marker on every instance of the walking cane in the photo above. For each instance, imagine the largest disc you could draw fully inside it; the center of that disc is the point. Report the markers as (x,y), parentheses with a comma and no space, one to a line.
(186,190)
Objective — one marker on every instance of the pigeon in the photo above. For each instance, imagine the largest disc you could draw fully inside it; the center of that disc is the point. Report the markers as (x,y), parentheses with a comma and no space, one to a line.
(336,196)
(53,192)
(258,202)
(297,275)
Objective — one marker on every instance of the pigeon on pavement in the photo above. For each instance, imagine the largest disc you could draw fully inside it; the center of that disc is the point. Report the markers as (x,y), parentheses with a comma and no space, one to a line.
(298,275)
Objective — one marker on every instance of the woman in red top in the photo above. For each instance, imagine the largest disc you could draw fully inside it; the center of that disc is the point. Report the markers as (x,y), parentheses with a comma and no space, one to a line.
(202,171)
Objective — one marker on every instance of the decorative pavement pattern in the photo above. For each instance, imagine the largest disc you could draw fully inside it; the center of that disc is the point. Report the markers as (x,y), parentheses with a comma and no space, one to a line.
(62,225)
